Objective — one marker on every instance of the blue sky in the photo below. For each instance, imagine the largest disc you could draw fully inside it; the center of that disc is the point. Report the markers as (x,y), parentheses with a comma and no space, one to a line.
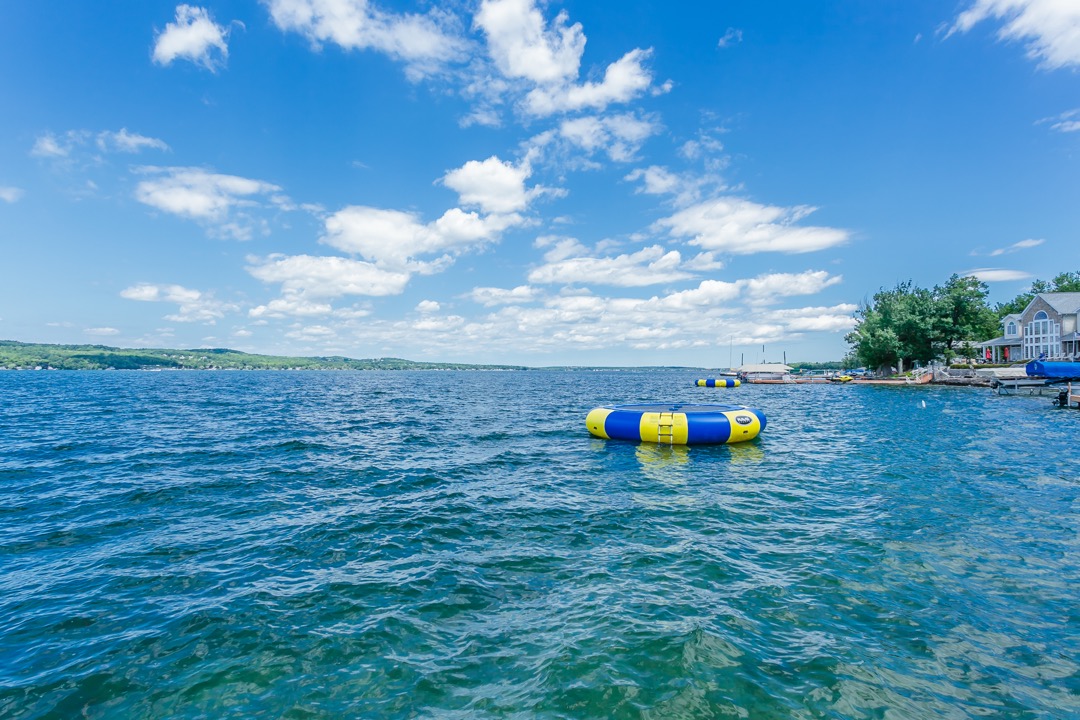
(595,183)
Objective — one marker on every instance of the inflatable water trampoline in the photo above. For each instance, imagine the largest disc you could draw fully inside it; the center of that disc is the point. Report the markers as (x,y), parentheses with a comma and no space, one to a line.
(676,424)
(718,382)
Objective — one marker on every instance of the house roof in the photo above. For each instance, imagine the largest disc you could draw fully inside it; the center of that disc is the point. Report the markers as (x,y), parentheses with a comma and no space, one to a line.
(1002,342)
(1065,303)
(765,368)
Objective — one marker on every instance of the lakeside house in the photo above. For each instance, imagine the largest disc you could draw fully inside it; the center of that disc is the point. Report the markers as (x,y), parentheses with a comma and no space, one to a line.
(1047,328)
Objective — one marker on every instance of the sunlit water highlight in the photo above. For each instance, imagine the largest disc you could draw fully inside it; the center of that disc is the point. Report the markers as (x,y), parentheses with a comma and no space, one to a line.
(455,545)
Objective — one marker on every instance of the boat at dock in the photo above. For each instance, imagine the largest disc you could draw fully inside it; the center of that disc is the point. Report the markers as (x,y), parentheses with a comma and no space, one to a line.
(1039,377)
(1058,375)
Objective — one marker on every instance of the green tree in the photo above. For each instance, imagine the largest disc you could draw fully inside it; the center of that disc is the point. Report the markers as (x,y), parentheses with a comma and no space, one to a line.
(1066,282)
(961,313)
(896,329)
(1062,282)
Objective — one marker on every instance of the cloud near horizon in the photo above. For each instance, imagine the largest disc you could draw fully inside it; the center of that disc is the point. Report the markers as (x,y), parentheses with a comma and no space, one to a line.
(194,305)
(990,275)
(310,276)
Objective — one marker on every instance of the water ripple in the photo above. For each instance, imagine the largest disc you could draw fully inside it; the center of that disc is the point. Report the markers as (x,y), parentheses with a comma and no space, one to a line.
(454,545)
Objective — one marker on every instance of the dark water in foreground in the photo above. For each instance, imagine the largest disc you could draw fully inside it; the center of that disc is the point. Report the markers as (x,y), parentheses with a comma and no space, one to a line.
(455,545)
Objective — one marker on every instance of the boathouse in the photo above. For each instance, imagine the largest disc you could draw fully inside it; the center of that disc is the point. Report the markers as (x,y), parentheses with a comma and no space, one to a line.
(765,373)
(1047,329)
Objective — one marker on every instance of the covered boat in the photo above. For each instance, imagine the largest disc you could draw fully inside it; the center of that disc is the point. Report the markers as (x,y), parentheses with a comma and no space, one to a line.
(1054,370)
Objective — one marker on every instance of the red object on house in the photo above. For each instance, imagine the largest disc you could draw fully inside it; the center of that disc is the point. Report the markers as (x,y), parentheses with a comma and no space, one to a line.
(987,356)
(1006,351)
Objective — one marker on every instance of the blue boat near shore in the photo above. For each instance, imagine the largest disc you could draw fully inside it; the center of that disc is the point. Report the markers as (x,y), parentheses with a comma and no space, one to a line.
(1054,370)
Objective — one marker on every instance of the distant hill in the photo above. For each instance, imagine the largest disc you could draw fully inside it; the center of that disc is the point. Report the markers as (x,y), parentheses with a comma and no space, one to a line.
(17,355)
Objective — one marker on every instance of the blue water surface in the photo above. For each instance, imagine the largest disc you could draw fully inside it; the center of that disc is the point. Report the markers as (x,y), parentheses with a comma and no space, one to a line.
(456,545)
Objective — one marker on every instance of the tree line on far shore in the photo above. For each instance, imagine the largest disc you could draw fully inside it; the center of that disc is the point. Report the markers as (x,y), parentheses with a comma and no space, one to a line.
(909,324)
(18,355)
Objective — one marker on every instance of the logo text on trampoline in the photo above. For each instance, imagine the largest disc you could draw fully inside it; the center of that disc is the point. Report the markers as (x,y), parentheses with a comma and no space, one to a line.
(743,419)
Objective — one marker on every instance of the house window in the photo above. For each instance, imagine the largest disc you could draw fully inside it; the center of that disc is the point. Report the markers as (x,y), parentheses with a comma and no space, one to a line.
(1042,337)
(1010,329)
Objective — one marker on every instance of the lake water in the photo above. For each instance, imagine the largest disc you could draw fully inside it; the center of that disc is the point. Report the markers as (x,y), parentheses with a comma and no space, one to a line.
(456,545)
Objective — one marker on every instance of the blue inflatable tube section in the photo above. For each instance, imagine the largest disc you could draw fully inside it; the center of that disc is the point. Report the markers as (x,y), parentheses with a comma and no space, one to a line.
(677,424)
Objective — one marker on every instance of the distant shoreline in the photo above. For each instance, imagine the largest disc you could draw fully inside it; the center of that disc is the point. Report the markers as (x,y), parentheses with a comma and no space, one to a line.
(20,356)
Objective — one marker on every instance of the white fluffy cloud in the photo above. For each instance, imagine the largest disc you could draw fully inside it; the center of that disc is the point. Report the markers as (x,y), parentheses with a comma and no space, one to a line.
(624,80)
(492,185)
(208,197)
(707,293)
(490,296)
(196,193)
(522,47)
(837,318)
(397,239)
(306,276)
(10,194)
(709,315)
(656,180)
(771,287)
(312,333)
(393,245)
(194,36)
(686,188)
(761,290)
(443,324)
(620,136)
(703,319)
(525,48)
(101,331)
(529,59)
(194,305)
(423,42)
(570,263)
(291,305)
(1049,28)
(744,227)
